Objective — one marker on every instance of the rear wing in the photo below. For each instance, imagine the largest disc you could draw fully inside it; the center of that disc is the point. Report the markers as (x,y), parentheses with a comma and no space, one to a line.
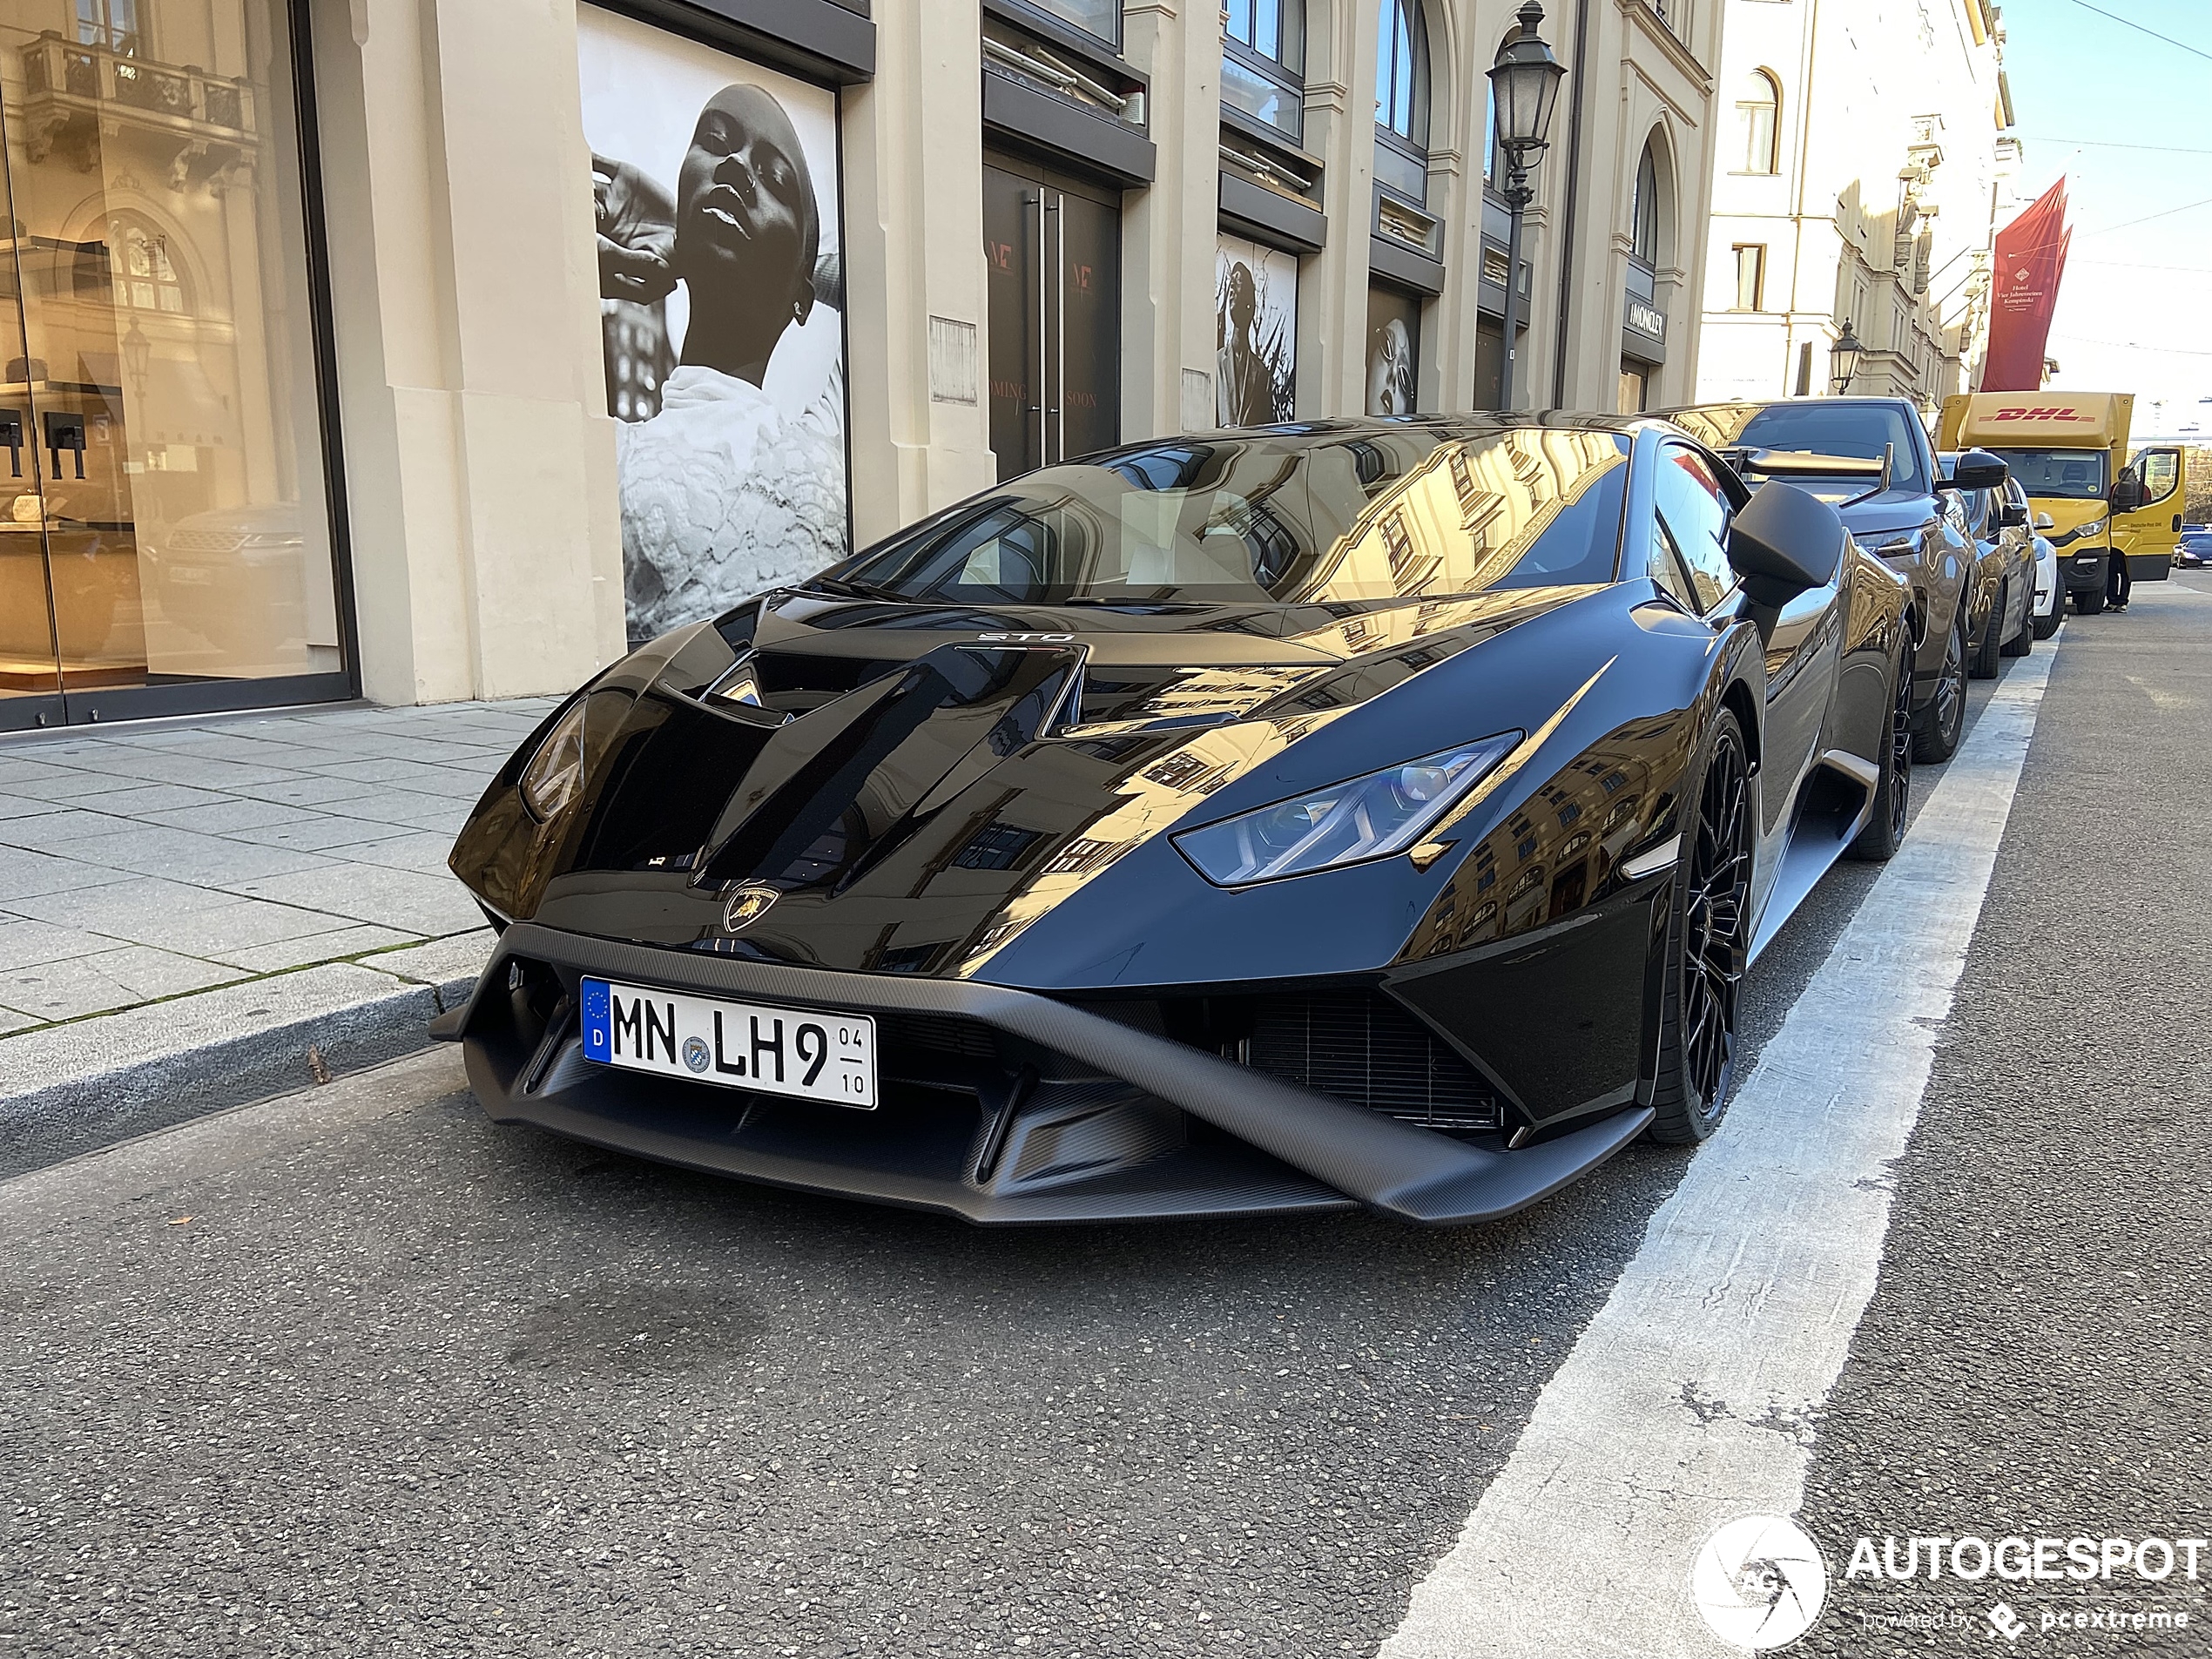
(1752,465)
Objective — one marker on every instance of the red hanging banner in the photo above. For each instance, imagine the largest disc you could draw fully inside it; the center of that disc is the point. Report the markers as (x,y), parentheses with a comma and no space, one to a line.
(2031,257)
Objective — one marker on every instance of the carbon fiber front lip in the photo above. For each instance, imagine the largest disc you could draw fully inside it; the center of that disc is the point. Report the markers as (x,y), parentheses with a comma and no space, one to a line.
(1394,1168)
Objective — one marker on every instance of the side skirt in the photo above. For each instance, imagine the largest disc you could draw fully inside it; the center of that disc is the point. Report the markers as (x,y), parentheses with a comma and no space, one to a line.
(1835,804)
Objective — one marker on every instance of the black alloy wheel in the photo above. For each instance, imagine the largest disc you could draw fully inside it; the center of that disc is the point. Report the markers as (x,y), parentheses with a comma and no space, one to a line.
(1710,942)
(1884,831)
(1944,721)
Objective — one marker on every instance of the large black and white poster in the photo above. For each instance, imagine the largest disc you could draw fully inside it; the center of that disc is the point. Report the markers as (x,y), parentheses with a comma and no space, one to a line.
(1394,351)
(716,195)
(1256,325)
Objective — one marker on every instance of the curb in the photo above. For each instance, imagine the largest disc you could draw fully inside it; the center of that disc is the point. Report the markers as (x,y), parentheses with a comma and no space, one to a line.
(69,1089)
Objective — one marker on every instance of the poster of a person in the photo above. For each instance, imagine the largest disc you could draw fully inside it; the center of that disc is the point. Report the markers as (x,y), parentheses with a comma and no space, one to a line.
(1256,322)
(715,202)
(1393,335)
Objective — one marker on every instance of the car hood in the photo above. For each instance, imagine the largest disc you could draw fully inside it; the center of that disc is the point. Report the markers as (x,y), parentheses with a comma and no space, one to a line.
(921,786)
(1886,516)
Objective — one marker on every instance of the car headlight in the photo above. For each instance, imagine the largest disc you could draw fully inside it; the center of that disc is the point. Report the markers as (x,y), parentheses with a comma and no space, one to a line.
(1365,818)
(2079,532)
(554,777)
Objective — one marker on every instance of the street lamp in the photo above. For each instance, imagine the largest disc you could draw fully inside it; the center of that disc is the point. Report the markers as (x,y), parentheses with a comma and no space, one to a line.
(138,355)
(1843,360)
(1525,83)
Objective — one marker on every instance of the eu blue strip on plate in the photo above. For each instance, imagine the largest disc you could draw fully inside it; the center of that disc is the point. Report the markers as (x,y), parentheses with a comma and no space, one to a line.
(599,1022)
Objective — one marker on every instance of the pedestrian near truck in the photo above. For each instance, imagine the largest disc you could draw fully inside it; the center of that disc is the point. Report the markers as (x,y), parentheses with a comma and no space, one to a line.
(2117,581)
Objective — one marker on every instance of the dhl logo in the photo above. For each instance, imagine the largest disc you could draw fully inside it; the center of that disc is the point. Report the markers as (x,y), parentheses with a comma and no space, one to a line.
(2053,413)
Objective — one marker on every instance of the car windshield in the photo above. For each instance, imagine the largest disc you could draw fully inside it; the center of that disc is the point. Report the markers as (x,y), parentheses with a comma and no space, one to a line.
(1284,518)
(1819,427)
(2069,475)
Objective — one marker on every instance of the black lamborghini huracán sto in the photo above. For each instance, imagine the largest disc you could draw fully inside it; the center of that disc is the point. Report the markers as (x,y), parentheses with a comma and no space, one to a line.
(1371,813)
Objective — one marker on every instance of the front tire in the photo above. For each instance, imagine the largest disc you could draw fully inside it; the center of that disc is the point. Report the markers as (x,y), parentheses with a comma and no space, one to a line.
(2046,626)
(2023,642)
(1984,663)
(1945,721)
(1884,831)
(2089,601)
(1709,941)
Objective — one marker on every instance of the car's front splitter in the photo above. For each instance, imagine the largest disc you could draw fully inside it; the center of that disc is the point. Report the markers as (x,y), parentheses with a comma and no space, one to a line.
(1000,1105)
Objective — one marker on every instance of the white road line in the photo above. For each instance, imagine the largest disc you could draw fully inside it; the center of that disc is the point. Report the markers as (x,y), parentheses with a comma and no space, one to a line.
(1691,1398)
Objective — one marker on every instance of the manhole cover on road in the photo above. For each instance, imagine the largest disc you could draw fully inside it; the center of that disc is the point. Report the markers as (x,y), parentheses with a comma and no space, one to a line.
(635,1329)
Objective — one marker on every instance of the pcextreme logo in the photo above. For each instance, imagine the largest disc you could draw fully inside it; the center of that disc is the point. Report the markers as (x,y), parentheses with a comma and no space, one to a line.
(2051,413)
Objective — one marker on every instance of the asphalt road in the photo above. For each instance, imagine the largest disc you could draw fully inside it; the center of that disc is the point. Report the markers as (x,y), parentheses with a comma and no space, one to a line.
(2038,1360)
(355,1372)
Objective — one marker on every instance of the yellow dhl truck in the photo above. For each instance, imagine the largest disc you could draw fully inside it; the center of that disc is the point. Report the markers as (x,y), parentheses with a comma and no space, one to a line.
(2069,450)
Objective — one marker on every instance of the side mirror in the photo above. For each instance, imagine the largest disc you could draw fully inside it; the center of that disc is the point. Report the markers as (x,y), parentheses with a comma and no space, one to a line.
(1977,469)
(1786,542)
(2045,522)
(2127,492)
(2012,515)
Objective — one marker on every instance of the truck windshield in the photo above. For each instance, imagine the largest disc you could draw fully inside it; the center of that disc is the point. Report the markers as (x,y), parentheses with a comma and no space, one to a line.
(2070,474)
(1289,518)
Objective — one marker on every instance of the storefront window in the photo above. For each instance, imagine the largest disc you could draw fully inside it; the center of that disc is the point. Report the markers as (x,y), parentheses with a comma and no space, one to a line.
(164,529)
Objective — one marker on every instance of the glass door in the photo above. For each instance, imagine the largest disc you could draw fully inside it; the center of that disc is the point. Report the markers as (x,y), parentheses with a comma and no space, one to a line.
(30,681)
(166,544)
(1052,253)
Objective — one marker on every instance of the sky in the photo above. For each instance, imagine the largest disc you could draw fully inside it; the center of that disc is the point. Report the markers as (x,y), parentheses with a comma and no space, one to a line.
(2127,120)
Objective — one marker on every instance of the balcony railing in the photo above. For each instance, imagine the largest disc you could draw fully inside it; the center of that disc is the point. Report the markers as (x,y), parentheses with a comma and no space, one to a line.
(65,82)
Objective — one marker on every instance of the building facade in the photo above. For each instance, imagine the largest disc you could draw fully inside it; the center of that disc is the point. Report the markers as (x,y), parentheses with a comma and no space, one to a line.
(1864,162)
(429,349)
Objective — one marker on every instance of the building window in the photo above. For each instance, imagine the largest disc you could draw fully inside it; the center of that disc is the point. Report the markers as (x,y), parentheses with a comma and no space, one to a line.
(1401,99)
(1263,61)
(1759,110)
(1643,210)
(1490,134)
(145,277)
(1099,17)
(1751,276)
(111,24)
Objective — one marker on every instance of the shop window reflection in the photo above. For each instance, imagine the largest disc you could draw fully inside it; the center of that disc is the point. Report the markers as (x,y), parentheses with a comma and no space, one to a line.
(171,498)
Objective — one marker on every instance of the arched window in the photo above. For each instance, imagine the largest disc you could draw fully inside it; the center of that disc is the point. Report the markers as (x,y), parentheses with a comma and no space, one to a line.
(1401,99)
(1263,61)
(1643,209)
(145,276)
(1759,110)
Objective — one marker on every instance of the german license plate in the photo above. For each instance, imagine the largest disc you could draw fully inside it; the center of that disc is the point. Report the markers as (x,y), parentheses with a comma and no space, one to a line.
(799,1052)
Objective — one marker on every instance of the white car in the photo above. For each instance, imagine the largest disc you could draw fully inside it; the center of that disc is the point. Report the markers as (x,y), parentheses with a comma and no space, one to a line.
(2050,589)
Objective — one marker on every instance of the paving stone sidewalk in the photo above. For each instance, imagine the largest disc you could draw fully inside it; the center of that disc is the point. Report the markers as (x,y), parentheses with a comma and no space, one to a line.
(144,870)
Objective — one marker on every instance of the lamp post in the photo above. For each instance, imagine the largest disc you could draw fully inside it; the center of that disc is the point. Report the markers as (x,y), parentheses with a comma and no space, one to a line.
(1525,81)
(1843,360)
